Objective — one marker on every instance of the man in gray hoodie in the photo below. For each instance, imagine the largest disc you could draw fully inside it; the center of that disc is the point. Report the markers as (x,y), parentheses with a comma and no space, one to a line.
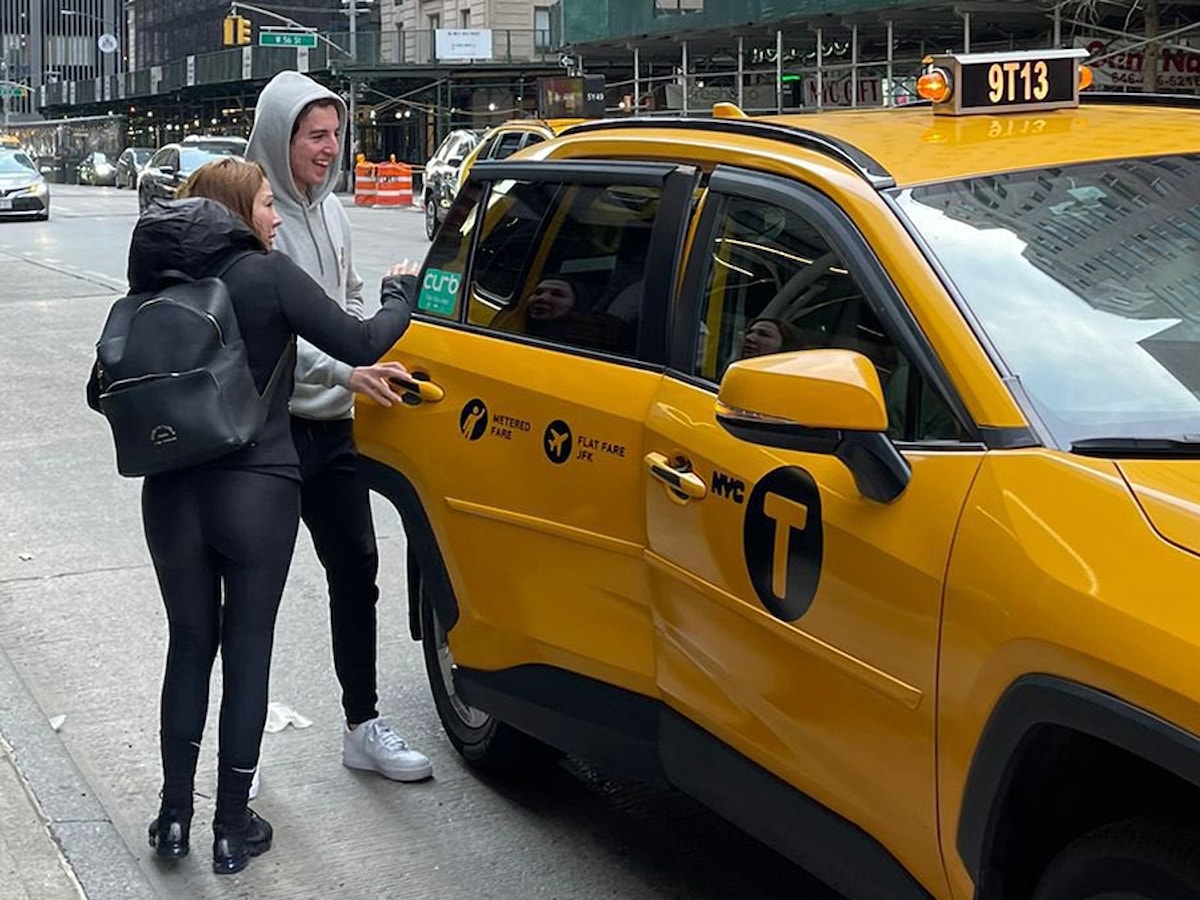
(299,128)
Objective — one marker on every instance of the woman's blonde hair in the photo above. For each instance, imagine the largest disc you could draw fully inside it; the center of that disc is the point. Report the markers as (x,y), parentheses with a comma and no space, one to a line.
(234,182)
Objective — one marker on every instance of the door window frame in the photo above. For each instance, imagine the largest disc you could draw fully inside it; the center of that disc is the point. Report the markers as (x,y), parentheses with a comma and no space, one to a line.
(838,230)
(661,279)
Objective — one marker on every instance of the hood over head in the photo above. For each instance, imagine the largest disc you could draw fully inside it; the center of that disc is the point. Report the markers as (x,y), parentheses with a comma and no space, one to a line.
(190,236)
(278,107)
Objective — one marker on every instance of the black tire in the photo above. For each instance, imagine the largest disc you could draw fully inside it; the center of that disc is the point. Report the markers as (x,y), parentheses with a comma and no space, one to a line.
(1134,860)
(486,743)
(431,217)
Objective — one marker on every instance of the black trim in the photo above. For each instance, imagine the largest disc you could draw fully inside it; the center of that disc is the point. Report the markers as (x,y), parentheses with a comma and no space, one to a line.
(575,171)
(813,836)
(626,732)
(1015,437)
(860,162)
(881,472)
(836,227)
(1034,701)
(1103,98)
(422,545)
(609,726)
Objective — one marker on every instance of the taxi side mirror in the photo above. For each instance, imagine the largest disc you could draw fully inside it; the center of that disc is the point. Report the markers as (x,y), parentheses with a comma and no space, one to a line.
(817,401)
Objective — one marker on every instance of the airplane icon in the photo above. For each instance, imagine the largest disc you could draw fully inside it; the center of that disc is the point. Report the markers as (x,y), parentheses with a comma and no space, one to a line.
(554,441)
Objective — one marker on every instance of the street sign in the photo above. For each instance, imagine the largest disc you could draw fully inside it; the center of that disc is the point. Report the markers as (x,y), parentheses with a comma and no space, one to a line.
(287,39)
(9,90)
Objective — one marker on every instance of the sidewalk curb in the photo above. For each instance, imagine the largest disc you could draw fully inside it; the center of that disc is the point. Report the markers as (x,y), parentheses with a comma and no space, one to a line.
(93,849)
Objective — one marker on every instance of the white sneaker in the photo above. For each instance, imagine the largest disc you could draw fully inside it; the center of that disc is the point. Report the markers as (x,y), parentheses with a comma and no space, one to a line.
(375,747)
(254,783)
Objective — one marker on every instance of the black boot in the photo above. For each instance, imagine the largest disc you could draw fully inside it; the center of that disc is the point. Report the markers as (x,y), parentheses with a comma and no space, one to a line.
(233,847)
(169,832)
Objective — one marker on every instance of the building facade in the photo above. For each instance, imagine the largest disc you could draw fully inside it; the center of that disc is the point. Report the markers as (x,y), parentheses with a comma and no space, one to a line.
(52,41)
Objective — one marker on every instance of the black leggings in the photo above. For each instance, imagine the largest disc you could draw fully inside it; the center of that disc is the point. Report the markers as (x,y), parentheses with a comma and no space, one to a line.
(207,528)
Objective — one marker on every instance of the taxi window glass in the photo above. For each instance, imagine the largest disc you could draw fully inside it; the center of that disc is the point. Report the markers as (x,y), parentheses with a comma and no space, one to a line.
(440,290)
(775,286)
(564,263)
(15,164)
(1086,279)
(509,143)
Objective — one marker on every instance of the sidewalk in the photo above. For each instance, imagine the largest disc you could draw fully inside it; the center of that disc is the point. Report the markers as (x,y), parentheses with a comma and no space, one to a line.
(56,843)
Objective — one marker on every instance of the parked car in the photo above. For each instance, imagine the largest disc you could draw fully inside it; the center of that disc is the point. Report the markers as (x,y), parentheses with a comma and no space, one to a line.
(171,164)
(440,182)
(96,169)
(130,164)
(237,144)
(904,584)
(23,189)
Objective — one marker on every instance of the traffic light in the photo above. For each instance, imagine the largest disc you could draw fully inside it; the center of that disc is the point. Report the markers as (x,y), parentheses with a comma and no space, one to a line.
(236,31)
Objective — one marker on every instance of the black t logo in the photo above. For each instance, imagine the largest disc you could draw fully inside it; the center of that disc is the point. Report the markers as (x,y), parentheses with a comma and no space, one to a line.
(557,441)
(473,421)
(783,541)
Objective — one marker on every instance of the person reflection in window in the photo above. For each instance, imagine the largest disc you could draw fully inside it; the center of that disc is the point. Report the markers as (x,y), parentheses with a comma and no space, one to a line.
(765,336)
(553,311)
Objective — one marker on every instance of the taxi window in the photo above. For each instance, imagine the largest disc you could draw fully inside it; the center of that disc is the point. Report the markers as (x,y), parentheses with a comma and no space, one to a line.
(564,263)
(509,143)
(441,281)
(775,285)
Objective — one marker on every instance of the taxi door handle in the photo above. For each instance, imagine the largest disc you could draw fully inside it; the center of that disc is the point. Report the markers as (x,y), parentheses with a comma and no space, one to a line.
(684,483)
(419,390)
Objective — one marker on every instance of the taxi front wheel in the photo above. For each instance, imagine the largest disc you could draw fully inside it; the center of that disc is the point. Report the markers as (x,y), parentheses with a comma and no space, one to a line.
(1137,860)
(483,741)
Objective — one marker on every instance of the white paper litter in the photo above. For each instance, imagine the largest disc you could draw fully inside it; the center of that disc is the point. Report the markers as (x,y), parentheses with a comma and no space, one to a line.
(280,716)
(56,722)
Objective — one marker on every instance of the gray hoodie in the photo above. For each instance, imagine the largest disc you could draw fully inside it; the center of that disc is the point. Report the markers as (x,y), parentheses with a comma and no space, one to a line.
(315,233)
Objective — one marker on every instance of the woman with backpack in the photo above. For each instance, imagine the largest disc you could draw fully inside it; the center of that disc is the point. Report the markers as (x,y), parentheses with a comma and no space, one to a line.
(221,533)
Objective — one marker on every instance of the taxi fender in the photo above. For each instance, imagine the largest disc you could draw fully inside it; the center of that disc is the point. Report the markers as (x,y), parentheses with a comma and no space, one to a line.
(424,556)
(1031,703)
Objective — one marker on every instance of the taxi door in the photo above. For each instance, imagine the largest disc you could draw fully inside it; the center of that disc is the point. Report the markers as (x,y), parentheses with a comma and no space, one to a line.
(797,620)
(540,320)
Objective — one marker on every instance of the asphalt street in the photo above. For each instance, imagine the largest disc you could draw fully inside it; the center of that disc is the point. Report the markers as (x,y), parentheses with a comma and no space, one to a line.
(83,637)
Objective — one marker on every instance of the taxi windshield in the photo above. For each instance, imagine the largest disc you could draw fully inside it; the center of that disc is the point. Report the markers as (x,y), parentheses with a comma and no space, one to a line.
(1086,281)
(15,164)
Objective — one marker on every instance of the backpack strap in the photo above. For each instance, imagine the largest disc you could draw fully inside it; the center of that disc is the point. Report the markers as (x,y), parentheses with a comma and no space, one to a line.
(226,263)
(287,358)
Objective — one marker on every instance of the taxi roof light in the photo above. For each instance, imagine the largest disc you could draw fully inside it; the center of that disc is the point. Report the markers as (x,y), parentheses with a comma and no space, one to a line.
(935,85)
(1086,77)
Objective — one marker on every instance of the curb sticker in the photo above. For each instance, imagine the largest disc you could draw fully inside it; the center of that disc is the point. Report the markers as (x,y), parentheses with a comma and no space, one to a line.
(473,421)
(557,442)
(783,541)
(439,292)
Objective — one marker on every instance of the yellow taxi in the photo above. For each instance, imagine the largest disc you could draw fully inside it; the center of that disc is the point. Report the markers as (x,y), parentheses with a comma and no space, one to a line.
(508,137)
(842,470)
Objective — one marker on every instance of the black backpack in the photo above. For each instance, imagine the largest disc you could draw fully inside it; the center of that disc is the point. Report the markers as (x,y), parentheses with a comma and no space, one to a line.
(172,378)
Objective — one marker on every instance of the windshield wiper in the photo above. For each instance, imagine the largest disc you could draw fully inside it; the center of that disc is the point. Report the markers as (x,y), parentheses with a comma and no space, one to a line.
(1183,446)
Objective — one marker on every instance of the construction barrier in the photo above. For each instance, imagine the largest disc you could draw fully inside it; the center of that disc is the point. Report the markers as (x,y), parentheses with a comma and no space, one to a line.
(366,183)
(395,186)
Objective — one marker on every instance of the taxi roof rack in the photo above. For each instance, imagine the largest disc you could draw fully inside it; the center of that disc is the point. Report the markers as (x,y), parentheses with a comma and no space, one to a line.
(1187,101)
(862,163)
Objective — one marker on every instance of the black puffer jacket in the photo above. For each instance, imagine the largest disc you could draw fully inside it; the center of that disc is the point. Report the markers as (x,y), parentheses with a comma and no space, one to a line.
(273,298)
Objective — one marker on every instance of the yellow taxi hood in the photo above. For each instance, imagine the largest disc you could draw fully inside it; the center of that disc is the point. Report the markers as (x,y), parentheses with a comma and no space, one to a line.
(1169,493)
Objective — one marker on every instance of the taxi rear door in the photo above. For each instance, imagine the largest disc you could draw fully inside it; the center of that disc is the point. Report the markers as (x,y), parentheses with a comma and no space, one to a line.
(798,619)
(542,316)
